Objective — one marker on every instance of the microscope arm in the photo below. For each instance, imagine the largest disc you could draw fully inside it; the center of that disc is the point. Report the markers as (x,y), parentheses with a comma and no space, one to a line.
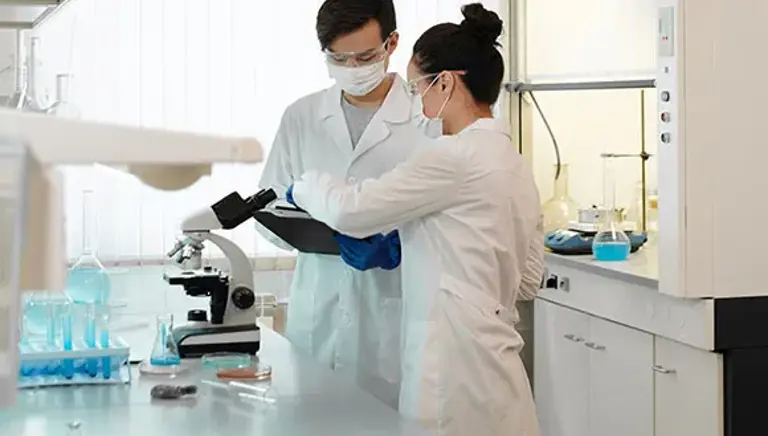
(240,269)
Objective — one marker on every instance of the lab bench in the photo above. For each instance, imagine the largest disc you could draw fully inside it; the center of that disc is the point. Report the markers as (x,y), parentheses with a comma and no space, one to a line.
(613,356)
(309,399)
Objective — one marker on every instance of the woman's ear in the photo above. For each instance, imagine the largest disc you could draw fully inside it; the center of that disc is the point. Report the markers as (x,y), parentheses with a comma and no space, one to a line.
(446,81)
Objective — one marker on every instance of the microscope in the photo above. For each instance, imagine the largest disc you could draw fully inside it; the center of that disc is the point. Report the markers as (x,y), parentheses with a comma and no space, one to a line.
(233,308)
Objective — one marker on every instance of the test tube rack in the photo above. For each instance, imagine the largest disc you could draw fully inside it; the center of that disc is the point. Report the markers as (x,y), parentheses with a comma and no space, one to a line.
(43,365)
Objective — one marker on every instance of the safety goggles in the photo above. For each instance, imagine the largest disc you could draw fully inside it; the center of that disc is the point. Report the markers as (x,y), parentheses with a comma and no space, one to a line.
(412,86)
(361,58)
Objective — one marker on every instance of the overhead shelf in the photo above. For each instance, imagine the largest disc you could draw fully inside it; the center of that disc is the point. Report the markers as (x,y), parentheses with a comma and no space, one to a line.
(26,14)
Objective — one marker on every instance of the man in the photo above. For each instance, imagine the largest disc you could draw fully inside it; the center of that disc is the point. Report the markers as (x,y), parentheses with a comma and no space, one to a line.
(360,128)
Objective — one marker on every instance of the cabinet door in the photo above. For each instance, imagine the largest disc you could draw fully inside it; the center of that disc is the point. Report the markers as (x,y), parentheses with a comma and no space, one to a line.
(621,385)
(688,391)
(561,369)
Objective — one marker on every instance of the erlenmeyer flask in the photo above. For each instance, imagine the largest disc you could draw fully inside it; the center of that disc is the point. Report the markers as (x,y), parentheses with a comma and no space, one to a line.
(88,280)
(610,243)
(164,359)
(559,210)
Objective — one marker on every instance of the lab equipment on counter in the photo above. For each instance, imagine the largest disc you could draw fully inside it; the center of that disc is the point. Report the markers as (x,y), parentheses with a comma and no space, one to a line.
(233,310)
(610,243)
(68,355)
(578,237)
(561,209)
(226,360)
(298,229)
(240,393)
(87,280)
(170,392)
(32,236)
(577,242)
(164,358)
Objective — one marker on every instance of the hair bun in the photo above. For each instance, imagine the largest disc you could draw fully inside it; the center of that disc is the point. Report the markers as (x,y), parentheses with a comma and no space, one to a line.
(483,24)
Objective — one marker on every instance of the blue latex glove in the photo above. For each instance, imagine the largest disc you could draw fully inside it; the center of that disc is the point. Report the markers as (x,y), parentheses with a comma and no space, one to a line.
(289,195)
(377,251)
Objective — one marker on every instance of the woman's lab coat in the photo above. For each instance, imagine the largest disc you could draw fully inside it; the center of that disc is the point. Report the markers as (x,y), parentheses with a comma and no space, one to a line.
(346,319)
(468,211)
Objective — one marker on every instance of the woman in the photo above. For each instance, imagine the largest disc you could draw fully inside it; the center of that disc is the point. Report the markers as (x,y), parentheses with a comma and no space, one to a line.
(467,210)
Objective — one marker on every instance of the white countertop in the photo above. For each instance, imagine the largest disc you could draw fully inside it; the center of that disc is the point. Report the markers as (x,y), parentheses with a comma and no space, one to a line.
(641,268)
(311,400)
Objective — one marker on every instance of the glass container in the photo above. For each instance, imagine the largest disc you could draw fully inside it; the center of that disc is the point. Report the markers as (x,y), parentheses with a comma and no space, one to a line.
(559,210)
(610,243)
(165,359)
(63,106)
(88,281)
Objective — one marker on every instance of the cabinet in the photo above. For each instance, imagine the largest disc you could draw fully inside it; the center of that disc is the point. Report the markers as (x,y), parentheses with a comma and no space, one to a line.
(561,384)
(688,397)
(592,377)
(595,377)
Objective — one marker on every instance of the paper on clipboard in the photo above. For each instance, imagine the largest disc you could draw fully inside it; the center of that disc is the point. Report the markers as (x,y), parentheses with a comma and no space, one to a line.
(297,228)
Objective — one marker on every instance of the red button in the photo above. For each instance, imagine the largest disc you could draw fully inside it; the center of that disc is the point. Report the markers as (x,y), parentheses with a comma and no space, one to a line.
(665,117)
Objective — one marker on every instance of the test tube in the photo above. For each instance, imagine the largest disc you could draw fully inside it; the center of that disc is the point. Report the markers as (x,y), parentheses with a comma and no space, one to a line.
(91,364)
(52,366)
(67,365)
(106,361)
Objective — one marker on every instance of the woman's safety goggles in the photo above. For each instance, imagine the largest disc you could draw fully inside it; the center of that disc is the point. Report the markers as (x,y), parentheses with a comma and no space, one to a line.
(412,86)
(358,59)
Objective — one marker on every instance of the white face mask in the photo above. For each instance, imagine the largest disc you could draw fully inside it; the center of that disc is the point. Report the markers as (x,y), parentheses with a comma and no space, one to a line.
(358,81)
(432,127)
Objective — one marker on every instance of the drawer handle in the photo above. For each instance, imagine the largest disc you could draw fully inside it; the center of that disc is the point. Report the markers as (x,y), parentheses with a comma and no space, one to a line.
(573,338)
(594,346)
(661,370)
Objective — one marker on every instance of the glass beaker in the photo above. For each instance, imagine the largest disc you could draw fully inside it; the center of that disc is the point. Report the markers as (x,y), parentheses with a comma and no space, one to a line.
(63,107)
(559,210)
(88,280)
(164,359)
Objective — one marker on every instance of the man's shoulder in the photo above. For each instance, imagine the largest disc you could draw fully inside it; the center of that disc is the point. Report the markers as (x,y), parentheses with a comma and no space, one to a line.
(308,104)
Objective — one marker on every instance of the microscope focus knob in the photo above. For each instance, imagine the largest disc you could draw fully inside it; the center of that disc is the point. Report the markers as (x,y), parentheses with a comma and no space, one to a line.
(243,298)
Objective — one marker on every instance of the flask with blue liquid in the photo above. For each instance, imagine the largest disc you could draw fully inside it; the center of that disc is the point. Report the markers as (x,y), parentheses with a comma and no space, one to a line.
(88,280)
(611,244)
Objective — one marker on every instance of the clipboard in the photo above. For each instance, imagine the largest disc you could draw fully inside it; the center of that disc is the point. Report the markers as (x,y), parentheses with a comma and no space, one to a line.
(297,228)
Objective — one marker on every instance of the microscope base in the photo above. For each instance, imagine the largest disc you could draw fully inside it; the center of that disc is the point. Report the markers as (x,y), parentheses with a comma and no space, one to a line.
(197,339)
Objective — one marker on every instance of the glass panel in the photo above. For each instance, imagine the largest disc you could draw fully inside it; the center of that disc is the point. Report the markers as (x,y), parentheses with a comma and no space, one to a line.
(568,40)
(587,124)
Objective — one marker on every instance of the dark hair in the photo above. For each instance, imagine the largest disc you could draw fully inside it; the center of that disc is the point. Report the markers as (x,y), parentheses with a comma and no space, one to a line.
(341,17)
(470,47)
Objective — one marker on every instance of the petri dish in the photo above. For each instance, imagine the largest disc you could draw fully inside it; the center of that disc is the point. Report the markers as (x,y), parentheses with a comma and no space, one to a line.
(220,361)
(147,368)
(255,372)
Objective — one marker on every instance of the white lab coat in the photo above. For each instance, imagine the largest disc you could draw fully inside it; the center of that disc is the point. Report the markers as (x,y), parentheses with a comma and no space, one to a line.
(347,319)
(467,211)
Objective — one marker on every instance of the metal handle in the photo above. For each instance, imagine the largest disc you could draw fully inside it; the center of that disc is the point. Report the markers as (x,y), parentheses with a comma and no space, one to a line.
(661,370)
(573,338)
(594,346)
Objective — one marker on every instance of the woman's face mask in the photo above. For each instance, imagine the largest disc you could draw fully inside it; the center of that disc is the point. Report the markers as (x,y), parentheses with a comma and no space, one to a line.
(433,127)
(359,81)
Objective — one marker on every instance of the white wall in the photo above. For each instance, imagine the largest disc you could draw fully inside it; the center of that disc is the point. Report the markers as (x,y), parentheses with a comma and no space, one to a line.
(591,40)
